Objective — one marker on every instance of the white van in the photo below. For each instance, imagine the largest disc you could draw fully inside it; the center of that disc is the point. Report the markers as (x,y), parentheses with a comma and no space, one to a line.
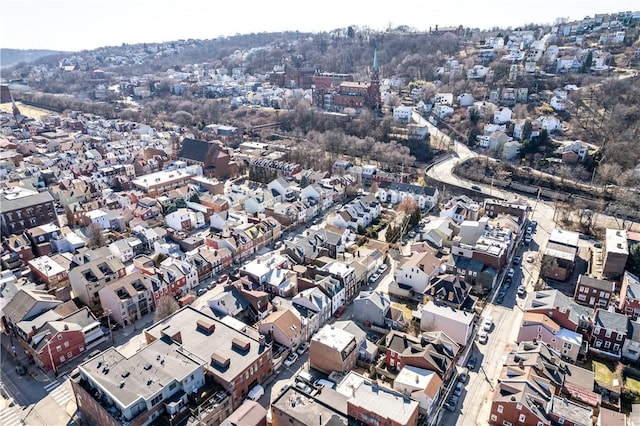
(255,393)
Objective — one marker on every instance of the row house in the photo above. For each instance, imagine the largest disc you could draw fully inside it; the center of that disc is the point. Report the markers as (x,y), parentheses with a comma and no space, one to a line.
(361,212)
(630,295)
(21,209)
(88,279)
(345,275)
(25,306)
(324,197)
(609,333)
(50,272)
(396,192)
(563,310)
(433,351)
(128,299)
(461,208)
(594,292)
(313,304)
(283,327)
(61,340)
(414,275)
(537,327)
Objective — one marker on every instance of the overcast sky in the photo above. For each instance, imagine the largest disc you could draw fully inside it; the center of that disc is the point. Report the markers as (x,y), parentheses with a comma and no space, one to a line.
(87,24)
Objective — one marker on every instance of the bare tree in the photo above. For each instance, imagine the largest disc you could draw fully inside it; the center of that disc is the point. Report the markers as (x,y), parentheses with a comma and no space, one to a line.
(95,236)
(166,306)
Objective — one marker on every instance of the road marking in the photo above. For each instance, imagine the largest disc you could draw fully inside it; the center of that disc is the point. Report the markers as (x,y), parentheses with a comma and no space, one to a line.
(61,396)
(9,418)
(51,386)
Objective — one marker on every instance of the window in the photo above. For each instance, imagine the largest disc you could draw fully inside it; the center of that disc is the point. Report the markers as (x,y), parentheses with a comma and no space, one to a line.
(62,358)
(66,344)
(522,418)
(560,421)
(69,354)
(500,408)
(607,333)
(506,423)
(58,348)
(616,347)
(619,337)
(494,417)
(81,348)
(596,330)
(602,294)
(540,424)
(582,297)
(172,386)
(59,336)
(607,344)
(518,406)
(598,343)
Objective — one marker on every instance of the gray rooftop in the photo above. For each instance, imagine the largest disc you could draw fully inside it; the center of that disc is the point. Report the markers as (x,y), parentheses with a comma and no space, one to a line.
(612,321)
(8,204)
(144,374)
(203,345)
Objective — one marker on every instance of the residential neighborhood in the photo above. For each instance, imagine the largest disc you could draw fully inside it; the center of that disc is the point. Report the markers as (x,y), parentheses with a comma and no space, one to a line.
(166,274)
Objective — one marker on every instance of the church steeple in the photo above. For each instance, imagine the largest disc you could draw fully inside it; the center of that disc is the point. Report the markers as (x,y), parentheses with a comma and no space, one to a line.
(375,60)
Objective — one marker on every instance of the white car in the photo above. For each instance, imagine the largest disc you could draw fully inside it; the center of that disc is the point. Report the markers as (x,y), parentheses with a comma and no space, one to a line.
(291,359)
(382,268)
(483,337)
(530,258)
(302,348)
(374,277)
(487,323)
(510,273)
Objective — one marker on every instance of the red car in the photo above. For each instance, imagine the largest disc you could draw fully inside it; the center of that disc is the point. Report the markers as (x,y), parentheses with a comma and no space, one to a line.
(339,312)
(223,278)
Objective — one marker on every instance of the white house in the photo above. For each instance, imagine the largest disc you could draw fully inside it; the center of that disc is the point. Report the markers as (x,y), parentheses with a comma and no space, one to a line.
(122,250)
(420,384)
(395,192)
(558,103)
(631,345)
(502,115)
(442,111)
(185,220)
(465,99)
(550,123)
(402,113)
(444,99)
(456,324)
(511,150)
(477,72)
(100,218)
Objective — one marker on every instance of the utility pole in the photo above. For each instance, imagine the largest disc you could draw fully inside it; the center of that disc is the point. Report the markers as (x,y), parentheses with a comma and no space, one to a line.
(108,314)
(53,364)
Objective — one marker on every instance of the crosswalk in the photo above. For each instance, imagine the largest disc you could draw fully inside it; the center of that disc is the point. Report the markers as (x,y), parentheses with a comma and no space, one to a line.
(59,394)
(8,417)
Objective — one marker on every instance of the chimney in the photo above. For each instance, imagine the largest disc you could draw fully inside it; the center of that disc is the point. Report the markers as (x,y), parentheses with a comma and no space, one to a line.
(262,341)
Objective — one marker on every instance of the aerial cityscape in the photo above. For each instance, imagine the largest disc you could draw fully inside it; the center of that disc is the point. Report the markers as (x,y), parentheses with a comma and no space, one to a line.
(377,224)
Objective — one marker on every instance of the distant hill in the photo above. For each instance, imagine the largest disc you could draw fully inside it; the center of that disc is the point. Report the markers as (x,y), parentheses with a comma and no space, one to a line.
(13,56)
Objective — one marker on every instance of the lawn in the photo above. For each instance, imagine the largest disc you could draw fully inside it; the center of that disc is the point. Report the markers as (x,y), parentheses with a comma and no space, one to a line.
(632,384)
(603,372)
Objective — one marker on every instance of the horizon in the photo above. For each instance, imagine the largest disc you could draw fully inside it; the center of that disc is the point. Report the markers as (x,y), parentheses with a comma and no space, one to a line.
(26,24)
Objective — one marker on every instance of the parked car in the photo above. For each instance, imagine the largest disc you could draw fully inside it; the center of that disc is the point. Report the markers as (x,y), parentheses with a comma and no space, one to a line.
(451,403)
(223,278)
(597,244)
(500,298)
(522,290)
(374,277)
(487,323)
(304,387)
(338,313)
(302,348)
(291,359)
(21,370)
(530,258)
(471,363)
(476,188)
(463,377)
(382,268)
(510,273)
(517,260)
(458,389)
(201,291)
(527,239)
(323,382)
(483,337)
